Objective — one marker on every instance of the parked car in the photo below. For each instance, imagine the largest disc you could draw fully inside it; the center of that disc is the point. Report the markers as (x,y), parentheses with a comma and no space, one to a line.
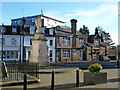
(104,59)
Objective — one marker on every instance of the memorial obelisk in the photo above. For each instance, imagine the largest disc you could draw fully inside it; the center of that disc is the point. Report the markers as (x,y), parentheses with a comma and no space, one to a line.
(39,50)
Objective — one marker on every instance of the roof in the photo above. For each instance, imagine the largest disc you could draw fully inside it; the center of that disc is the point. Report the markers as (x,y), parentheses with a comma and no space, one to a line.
(39,15)
(81,35)
(91,38)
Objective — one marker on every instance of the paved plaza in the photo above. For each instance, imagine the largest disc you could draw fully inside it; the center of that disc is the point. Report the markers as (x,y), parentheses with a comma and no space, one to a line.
(66,78)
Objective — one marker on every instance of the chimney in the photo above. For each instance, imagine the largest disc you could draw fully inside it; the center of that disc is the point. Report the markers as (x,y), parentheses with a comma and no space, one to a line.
(73,26)
(73,30)
(41,12)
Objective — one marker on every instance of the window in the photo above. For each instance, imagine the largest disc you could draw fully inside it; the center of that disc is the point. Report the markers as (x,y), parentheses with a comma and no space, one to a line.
(13,41)
(51,53)
(30,41)
(80,54)
(33,19)
(51,31)
(82,42)
(12,54)
(32,31)
(4,54)
(50,59)
(28,54)
(14,30)
(15,54)
(57,53)
(66,53)
(3,29)
(66,41)
(51,42)
(58,41)
(3,40)
(97,43)
(8,54)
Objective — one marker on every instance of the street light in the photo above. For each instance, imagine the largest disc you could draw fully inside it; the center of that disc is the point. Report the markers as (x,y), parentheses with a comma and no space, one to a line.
(2,44)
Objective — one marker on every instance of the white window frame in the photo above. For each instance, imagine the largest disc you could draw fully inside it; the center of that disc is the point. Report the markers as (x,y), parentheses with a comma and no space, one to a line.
(14,30)
(66,41)
(66,53)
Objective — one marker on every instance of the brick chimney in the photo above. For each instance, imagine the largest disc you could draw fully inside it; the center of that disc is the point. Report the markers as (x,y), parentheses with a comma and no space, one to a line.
(73,30)
(73,26)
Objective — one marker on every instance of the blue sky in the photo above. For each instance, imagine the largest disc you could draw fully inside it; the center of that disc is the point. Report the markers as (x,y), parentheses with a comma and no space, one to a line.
(91,14)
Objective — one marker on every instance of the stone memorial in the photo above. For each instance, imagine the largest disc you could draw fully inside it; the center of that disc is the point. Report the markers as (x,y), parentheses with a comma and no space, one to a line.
(39,50)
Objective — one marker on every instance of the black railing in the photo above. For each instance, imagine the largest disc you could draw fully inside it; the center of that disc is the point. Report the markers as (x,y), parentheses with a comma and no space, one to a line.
(16,70)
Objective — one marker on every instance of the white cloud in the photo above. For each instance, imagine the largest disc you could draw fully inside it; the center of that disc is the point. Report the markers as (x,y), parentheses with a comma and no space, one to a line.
(105,15)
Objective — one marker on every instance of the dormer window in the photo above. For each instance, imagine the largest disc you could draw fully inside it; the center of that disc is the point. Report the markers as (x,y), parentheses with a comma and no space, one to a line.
(32,30)
(51,31)
(97,43)
(82,42)
(3,29)
(33,19)
(14,30)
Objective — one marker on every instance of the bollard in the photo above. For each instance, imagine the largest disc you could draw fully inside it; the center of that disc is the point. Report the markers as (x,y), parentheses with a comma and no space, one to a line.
(25,81)
(52,81)
(77,78)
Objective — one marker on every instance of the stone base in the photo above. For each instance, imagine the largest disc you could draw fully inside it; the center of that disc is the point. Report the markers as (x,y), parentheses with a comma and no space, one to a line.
(95,78)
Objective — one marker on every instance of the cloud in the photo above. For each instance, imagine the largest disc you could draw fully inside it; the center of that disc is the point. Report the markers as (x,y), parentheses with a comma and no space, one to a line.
(104,15)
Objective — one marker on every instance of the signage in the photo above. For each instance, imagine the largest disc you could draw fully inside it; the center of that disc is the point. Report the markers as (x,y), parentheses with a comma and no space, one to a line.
(74,51)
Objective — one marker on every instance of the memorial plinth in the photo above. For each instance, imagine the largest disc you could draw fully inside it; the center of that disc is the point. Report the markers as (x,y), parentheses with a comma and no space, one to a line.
(39,51)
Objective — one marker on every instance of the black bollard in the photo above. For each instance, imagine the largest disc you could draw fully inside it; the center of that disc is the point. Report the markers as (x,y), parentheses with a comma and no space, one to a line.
(52,81)
(117,63)
(25,81)
(77,78)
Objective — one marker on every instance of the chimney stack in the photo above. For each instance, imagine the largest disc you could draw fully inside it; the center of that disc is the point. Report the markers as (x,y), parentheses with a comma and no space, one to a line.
(73,30)
(73,26)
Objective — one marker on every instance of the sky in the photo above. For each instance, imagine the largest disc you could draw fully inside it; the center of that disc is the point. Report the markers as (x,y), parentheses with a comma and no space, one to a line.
(91,14)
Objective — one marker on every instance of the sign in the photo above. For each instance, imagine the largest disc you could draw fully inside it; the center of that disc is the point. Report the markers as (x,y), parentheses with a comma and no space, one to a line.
(74,51)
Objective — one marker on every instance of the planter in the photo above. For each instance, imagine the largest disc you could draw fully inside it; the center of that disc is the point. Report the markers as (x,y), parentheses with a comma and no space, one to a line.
(95,78)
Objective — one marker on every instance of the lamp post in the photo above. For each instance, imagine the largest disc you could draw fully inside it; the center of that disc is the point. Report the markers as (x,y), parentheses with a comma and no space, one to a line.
(2,45)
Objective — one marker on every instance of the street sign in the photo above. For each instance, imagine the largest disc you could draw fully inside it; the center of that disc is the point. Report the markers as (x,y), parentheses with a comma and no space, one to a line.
(74,51)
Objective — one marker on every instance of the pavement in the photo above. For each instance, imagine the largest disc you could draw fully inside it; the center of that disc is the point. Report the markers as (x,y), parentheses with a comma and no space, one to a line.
(66,79)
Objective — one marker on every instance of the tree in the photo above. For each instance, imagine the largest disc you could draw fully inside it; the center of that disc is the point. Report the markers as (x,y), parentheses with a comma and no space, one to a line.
(96,31)
(105,36)
(84,30)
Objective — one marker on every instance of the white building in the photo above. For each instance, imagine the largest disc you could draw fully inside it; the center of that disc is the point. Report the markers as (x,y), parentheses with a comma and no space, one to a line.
(11,43)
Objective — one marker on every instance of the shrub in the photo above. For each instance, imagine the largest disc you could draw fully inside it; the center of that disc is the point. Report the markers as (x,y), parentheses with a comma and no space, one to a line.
(95,68)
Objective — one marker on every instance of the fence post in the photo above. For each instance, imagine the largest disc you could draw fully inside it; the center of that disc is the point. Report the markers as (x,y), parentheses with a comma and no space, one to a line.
(25,81)
(77,78)
(52,81)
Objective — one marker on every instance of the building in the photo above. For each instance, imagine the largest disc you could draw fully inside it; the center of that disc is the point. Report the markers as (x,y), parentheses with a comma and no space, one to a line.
(46,21)
(11,43)
(96,48)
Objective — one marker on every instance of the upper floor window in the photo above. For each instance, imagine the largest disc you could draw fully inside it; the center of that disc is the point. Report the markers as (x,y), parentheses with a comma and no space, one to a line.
(97,43)
(33,19)
(3,29)
(51,42)
(14,41)
(66,41)
(32,31)
(58,41)
(66,53)
(14,30)
(51,31)
(82,42)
